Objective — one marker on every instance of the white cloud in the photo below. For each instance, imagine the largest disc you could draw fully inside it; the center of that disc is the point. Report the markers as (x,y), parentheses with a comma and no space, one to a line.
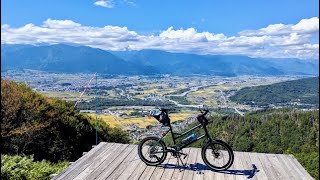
(307,25)
(190,34)
(104,3)
(57,24)
(129,2)
(275,41)
(304,26)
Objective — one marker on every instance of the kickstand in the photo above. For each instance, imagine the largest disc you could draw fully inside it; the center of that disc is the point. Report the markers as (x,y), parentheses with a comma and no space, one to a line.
(178,164)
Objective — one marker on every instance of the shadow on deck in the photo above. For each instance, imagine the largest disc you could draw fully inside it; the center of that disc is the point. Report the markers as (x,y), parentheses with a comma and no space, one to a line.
(200,168)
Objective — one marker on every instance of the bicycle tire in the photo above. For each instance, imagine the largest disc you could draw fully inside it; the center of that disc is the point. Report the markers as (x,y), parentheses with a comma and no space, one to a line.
(226,147)
(144,159)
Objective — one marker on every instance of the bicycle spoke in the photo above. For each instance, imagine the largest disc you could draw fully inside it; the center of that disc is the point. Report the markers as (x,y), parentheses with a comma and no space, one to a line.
(153,151)
(217,156)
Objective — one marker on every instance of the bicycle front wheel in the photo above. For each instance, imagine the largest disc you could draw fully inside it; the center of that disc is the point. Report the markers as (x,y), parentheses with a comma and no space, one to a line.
(151,150)
(217,155)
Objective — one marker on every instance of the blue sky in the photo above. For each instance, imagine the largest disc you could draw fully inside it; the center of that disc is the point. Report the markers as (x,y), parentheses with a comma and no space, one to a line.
(148,16)
(177,20)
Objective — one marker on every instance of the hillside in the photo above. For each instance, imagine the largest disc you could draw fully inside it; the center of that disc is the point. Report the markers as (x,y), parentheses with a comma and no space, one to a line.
(67,59)
(47,128)
(304,91)
(223,65)
(71,59)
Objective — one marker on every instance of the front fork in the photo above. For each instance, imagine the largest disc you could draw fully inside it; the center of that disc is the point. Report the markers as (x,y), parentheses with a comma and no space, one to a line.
(209,140)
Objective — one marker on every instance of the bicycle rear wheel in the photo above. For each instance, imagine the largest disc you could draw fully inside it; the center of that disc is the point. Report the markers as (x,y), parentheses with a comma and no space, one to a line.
(151,150)
(217,155)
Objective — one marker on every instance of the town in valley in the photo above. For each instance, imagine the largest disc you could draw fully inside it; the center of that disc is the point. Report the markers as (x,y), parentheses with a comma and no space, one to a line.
(125,101)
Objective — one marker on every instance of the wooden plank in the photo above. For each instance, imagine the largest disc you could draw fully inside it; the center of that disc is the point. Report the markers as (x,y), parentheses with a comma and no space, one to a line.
(188,174)
(304,171)
(230,174)
(169,168)
(138,171)
(270,171)
(288,167)
(121,161)
(220,174)
(279,170)
(255,161)
(133,164)
(178,174)
(199,173)
(108,170)
(301,169)
(125,164)
(147,173)
(295,169)
(79,161)
(106,161)
(87,162)
(207,173)
(238,168)
(158,172)
(95,163)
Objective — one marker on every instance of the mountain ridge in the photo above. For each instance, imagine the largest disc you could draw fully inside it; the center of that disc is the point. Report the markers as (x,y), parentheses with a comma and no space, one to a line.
(71,59)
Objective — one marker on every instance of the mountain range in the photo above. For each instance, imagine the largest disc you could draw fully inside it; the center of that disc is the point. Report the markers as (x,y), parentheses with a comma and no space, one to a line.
(72,59)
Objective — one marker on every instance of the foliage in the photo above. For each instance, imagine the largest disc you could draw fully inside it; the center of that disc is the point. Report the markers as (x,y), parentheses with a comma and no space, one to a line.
(48,128)
(303,91)
(310,161)
(106,133)
(24,167)
(271,131)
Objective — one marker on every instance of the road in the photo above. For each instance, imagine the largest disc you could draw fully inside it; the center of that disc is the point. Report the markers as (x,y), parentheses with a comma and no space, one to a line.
(239,112)
(183,105)
(192,89)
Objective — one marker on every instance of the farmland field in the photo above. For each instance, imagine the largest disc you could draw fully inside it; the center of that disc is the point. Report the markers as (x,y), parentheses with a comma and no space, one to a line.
(69,96)
(141,122)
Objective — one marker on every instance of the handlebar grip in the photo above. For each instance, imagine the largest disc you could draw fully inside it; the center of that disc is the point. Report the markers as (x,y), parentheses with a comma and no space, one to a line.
(205,112)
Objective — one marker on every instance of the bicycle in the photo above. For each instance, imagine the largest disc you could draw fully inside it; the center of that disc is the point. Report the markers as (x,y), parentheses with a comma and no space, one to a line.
(153,151)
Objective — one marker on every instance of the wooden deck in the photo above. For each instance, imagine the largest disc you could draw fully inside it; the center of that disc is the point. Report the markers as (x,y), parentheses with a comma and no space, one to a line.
(121,161)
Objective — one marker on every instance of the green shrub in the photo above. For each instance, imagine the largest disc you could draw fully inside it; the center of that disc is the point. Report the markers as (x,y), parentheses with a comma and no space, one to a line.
(48,128)
(24,167)
(310,161)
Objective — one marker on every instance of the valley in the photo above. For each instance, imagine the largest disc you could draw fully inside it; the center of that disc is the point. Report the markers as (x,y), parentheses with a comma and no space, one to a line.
(124,101)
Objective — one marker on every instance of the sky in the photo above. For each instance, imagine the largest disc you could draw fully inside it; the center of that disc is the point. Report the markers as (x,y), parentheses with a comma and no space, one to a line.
(255,28)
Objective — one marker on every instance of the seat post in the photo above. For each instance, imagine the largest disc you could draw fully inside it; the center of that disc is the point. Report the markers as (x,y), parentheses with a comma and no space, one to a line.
(172,134)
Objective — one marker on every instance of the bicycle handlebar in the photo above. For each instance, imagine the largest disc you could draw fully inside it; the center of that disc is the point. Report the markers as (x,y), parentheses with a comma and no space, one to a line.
(205,111)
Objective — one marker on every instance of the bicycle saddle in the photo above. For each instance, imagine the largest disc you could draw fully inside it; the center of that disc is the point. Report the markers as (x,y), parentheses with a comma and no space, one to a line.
(164,109)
